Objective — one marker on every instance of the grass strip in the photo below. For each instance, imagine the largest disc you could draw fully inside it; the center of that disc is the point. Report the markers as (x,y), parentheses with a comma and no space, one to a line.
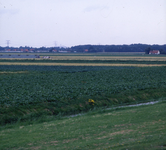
(138,128)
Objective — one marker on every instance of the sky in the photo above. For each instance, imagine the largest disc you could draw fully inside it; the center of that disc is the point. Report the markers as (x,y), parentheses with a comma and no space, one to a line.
(67,23)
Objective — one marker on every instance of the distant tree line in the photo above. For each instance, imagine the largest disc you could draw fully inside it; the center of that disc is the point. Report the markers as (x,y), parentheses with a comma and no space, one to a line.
(118,48)
(99,48)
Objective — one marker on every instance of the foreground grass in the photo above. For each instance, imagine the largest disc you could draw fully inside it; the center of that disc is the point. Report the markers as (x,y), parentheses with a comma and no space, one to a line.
(141,127)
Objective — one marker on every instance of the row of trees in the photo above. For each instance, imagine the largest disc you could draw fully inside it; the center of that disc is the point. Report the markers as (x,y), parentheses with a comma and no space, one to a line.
(102,48)
(118,48)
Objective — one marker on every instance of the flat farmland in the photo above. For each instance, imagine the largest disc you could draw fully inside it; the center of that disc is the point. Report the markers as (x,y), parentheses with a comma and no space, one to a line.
(30,92)
(31,88)
(91,56)
(44,91)
(86,59)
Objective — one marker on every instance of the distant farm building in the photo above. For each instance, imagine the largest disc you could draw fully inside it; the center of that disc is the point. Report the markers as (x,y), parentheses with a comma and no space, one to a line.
(155,52)
(55,51)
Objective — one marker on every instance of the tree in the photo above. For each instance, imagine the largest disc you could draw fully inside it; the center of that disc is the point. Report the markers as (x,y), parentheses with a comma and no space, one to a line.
(50,50)
(92,49)
(162,51)
(147,50)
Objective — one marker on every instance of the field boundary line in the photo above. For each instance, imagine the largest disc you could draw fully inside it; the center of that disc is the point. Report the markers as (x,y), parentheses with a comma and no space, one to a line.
(81,64)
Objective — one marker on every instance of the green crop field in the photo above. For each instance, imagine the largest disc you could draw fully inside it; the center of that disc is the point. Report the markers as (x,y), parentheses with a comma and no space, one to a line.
(29,92)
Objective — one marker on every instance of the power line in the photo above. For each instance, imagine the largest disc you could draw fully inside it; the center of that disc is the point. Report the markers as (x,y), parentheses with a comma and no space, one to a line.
(55,43)
(8,41)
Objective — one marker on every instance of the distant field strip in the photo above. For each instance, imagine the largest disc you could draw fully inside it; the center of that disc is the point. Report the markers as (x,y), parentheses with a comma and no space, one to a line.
(5,72)
(93,58)
(78,54)
(97,57)
(136,58)
(80,64)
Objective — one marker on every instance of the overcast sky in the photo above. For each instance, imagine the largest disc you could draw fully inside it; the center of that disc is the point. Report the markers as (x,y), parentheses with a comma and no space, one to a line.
(68,23)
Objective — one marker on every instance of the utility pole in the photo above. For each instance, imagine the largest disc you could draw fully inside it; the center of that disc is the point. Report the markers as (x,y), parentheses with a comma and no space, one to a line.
(8,41)
(55,43)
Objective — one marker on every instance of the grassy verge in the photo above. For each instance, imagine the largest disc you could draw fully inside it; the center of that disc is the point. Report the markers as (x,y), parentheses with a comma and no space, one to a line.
(142,127)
